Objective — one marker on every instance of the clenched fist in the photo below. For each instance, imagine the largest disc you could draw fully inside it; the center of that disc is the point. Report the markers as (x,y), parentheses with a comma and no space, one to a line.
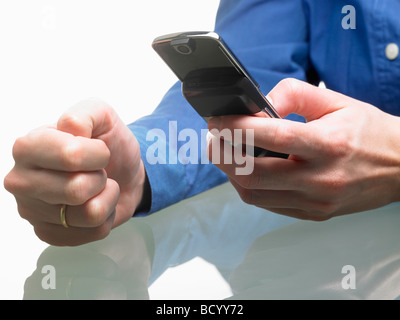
(90,162)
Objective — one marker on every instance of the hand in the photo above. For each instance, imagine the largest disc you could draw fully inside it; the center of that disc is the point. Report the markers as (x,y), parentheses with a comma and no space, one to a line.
(345,159)
(89,161)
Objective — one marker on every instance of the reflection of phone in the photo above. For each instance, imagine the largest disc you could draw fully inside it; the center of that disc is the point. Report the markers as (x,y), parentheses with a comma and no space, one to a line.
(213,80)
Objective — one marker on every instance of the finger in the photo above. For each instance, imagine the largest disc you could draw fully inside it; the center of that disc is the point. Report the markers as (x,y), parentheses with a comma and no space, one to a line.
(57,235)
(260,173)
(295,96)
(89,119)
(267,198)
(277,135)
(289,203)
(91,214)
(54,187)
(56,150)
(97,210)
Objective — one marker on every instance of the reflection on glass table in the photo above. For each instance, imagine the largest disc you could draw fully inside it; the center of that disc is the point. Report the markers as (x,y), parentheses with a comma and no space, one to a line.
(261,255)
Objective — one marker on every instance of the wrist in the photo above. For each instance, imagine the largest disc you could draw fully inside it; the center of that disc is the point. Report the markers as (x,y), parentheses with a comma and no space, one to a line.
(144,192)
(395,143)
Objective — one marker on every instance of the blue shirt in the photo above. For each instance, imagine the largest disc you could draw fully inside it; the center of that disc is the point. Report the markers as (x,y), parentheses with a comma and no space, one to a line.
(276,39)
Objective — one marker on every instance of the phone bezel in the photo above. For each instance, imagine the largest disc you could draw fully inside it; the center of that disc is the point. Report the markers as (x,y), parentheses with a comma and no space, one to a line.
(207,35)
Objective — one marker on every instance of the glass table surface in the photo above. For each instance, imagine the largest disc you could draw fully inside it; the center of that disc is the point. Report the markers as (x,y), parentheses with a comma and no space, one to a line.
(214,246)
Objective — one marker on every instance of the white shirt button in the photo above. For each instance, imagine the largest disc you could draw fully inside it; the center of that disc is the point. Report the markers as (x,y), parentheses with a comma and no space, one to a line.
(392,51)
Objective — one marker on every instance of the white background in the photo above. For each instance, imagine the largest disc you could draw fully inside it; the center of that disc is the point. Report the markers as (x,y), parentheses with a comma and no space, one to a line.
(55,53)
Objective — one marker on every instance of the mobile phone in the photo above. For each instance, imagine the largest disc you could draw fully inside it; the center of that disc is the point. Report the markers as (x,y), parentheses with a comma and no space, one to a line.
(214,82)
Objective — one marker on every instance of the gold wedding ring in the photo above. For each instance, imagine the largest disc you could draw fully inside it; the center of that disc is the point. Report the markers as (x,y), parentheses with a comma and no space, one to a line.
(62,216)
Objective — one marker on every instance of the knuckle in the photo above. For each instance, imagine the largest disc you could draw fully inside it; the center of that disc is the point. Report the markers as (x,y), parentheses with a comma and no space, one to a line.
(283,136)
(76,190)
(243,181)
(25,213)
(249,181)
(71,156)
(337,184)
(288,83)
(318,217)
(96,214)
(43,236)
(19,148)
(10,183)
(324,211)
(336,142)
(102,231)
(292,87)
(246,195)
(333,184)
(69,121)
(48,235)
(15,182)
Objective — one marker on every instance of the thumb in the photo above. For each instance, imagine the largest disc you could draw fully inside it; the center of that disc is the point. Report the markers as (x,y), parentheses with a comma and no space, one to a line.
(295,96)
(88,119)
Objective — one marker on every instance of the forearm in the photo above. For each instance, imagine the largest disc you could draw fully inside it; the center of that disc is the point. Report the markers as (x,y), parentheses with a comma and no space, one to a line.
(170,179)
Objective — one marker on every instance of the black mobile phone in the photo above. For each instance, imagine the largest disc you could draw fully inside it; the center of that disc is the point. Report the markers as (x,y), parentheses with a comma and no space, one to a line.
(214,82)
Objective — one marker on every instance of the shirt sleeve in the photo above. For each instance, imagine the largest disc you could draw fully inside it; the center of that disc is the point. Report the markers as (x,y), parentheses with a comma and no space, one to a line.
(270,38)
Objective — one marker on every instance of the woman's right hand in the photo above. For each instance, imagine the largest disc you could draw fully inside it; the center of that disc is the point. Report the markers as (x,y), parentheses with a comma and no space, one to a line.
(90,161)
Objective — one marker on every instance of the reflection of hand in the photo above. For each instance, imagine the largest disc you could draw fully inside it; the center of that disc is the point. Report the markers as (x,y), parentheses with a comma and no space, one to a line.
(345,159)
(305,260)
(89,161)
(117,267)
